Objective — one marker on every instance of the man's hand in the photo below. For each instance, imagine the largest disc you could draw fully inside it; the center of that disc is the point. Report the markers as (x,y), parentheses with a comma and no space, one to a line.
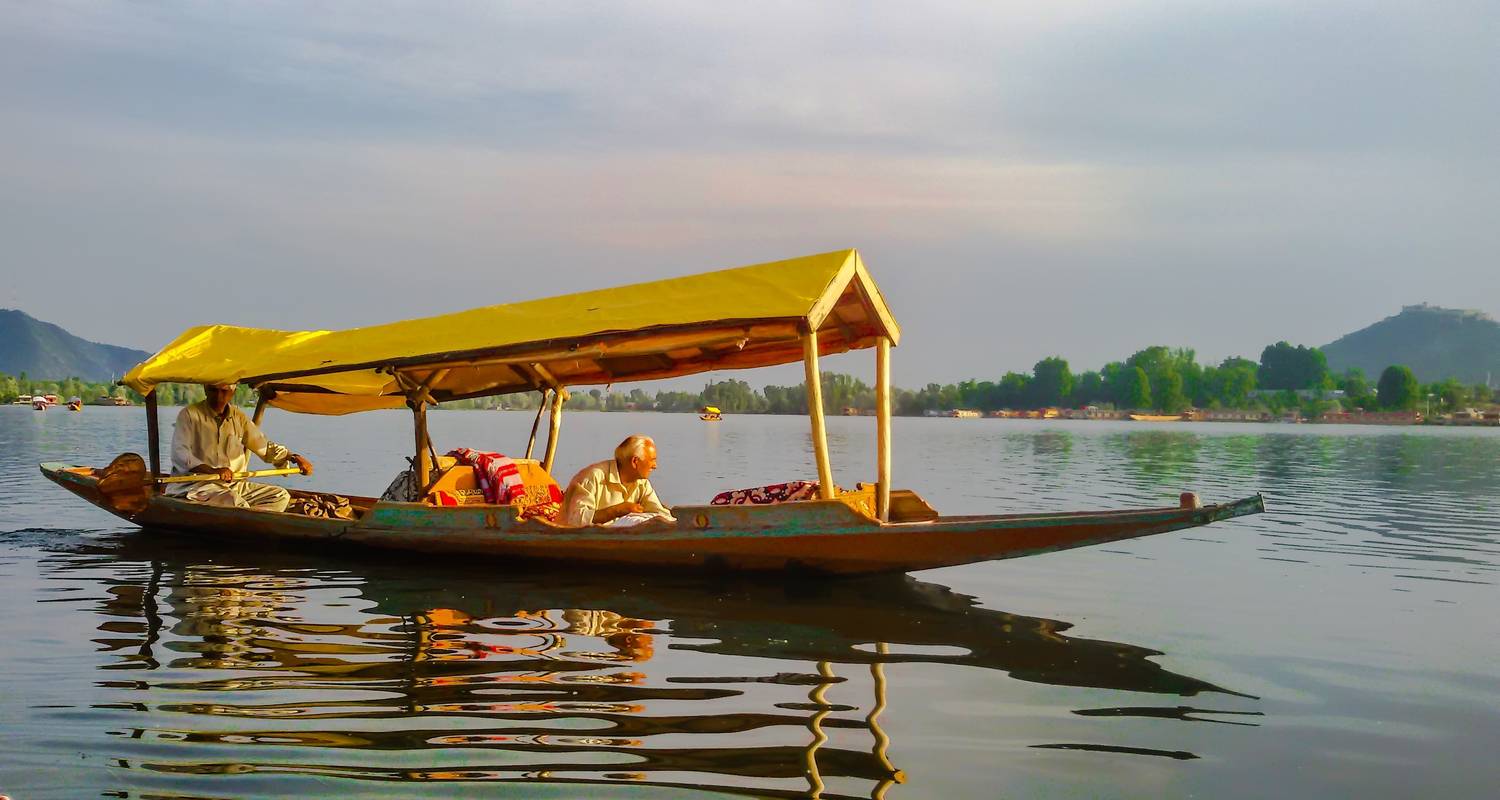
(224,474)
(302,463)
(614,512)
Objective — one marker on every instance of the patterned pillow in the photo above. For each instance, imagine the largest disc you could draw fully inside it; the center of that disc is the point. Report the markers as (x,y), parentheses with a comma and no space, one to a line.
(789,492)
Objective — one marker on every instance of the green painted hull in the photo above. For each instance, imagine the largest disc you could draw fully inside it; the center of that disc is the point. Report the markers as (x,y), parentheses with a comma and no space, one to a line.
(822,536)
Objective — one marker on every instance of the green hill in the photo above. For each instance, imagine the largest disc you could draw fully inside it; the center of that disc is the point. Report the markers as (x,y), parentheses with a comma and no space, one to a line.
(43,350)
(1436,343)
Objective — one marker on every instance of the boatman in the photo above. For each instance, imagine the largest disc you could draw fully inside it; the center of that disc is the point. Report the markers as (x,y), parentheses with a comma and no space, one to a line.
(214,437)
(617,490)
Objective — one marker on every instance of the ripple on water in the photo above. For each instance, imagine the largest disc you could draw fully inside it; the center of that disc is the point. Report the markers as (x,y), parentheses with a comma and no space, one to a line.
(195,670)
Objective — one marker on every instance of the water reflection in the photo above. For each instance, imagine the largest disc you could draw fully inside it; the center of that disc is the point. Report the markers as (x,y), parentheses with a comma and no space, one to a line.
(277,664)
(1156,458)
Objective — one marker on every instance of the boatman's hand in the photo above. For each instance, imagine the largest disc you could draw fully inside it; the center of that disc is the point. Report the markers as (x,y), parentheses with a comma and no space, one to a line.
(224,474)
(302,464)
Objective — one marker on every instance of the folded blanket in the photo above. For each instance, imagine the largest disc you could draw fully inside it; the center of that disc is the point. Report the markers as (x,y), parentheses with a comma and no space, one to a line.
(499,477)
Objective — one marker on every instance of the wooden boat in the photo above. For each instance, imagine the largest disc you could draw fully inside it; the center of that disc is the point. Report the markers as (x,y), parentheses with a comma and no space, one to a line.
(755,316)
(710,414)
(1156,417)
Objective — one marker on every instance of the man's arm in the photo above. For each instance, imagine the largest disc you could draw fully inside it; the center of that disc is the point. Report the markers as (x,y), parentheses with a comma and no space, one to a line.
(269,451)
(651,504)
(578,510)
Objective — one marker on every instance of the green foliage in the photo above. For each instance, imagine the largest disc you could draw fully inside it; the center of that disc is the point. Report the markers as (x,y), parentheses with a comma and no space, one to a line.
(1089,389)
(1012,390)
(1283,366)
(1398,388)
(1228,385)
(1052,382)
(733,397)
(1133,389)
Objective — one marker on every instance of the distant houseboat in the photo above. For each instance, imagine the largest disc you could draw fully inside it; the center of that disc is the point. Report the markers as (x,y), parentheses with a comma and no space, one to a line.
(1231,415)
(1372,418)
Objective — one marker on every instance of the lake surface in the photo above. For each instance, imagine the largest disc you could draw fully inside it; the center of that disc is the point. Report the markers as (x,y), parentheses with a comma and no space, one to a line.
(1347,643)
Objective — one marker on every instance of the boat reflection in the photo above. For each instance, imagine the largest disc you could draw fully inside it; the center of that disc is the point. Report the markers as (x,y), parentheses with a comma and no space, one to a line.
(386,671)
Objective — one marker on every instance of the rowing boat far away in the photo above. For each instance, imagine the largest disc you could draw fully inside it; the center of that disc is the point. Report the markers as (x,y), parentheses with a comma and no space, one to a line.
(761,315)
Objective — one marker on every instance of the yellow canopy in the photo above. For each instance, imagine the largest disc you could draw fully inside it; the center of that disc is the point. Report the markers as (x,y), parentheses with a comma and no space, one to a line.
(730,319)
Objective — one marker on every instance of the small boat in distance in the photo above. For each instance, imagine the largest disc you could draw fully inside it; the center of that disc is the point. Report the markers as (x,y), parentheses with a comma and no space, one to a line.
(762,315)
(39,403)
(75,403)
(710,414)
(1156,417)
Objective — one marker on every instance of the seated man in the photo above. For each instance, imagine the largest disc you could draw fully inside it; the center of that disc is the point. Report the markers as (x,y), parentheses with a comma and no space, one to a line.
(604,492)
(213,437)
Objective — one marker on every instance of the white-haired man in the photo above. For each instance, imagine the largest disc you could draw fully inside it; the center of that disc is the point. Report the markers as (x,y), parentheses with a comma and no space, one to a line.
(213,437)
(604,492)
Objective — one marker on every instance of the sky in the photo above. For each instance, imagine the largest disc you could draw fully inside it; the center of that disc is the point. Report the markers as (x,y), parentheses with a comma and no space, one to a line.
(1023,179)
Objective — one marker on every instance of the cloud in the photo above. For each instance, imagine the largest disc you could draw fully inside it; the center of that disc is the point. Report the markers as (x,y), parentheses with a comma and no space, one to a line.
(1025,179)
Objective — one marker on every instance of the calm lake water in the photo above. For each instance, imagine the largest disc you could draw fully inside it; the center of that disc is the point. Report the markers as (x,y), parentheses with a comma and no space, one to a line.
(1344,644)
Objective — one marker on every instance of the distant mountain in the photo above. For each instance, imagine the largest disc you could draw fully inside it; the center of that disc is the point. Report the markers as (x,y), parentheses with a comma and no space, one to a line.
(1436,343)
(43,350)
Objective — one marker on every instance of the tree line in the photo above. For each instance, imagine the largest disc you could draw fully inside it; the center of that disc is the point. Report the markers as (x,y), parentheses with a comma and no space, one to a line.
(13,387)
(1168,380)
(1163,379)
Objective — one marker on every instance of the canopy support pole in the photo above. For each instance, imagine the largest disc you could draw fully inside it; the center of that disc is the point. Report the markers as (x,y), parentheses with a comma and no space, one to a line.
(153,439)
(421,465)
(260,409)
(536,423)
(418,395)
(815,412)
(559,396)
(883,428)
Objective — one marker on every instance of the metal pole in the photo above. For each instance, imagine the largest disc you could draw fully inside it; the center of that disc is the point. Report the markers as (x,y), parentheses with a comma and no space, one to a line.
(815,412)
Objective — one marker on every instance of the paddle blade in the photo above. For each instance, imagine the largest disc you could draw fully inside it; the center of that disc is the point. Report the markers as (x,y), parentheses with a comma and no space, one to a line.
(125,485)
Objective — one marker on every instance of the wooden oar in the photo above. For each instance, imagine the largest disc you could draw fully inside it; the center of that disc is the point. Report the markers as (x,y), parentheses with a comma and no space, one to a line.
(126,483)
(258,473)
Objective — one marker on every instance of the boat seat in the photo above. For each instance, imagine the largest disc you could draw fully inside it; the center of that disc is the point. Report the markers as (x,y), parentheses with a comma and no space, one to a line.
(908,506)
(457,485)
